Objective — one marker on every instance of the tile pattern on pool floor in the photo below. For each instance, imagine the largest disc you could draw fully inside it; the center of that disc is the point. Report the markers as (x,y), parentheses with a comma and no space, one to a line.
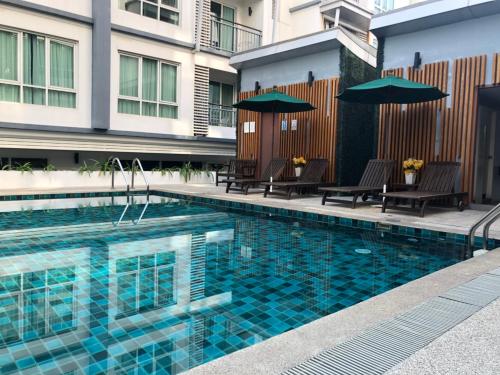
(188,284)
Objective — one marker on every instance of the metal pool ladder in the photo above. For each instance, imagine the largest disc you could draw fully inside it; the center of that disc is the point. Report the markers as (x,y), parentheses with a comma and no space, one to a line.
(137,162)
(488,220)
(117,161)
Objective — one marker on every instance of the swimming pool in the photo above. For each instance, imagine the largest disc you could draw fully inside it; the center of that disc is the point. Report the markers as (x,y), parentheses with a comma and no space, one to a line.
(93,285)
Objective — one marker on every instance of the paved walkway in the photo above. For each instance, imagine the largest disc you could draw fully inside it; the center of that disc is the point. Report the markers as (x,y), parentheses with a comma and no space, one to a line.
(472,347)
(439,219)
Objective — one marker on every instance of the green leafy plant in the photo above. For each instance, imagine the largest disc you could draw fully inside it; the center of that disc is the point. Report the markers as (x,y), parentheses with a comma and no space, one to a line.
(103,168)
(85,168)
(49,168)
(186,171)
(24,167)
(7,167)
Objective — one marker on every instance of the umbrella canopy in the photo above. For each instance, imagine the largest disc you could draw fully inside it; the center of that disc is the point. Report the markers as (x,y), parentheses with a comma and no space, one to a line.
(391,90)
(274,102)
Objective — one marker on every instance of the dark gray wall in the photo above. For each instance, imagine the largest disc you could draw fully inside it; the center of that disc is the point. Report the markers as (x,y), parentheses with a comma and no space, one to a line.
(101,64)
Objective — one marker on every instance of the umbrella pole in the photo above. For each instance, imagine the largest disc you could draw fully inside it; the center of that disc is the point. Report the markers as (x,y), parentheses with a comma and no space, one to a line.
(272,151)
(386,145)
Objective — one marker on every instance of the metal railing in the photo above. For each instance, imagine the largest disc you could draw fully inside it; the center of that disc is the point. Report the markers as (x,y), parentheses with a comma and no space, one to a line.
(119,163)
(137,162)
(488,219)
(221,115)
(233,37)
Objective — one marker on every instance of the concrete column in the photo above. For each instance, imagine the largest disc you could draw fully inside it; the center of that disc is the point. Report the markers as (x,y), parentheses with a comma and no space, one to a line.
(101,64)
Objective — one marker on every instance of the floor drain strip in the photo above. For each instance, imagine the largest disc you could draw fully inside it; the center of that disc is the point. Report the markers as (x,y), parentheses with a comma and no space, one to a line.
(382,347)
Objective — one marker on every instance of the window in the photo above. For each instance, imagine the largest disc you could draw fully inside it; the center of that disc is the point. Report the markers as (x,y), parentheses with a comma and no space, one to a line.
(383,5)
(148,87)
(45,75)
(220,100)
(163,10)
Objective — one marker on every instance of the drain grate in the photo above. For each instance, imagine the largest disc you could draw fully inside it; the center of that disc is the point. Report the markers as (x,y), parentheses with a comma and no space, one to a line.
(380,348)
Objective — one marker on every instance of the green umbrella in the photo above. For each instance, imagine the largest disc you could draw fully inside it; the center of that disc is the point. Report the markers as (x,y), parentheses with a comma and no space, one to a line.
(274,102)
(391,90)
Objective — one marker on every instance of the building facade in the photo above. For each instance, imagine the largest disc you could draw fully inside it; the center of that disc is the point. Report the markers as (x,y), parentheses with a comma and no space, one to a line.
(93,78)
(451,45)
(315,65)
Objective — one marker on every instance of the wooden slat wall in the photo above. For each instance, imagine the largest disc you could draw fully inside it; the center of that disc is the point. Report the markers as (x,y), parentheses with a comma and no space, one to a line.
(413,129)
(315,136)
(496,69)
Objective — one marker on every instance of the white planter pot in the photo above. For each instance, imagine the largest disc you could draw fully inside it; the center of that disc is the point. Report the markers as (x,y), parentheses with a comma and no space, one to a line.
(410,178)
(298,171)
(73,179)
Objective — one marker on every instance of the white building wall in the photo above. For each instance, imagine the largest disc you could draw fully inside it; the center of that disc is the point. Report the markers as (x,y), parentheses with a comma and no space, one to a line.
(22,20)
(183,125)
(80,7)
(183,32)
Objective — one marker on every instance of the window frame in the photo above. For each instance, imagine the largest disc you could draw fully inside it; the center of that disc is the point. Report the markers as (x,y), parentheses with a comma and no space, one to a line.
(159,5)
(159,84)
(48,86)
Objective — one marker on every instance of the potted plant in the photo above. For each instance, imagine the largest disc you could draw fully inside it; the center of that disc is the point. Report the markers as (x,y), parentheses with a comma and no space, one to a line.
(298,164)
(411,167)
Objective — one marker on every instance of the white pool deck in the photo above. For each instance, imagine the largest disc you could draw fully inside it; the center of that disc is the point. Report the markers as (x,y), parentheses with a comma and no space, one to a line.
(472,347)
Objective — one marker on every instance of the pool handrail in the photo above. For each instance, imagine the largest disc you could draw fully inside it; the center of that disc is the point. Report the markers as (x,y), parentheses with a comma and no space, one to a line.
(117,161)
(139,164)
(488,219)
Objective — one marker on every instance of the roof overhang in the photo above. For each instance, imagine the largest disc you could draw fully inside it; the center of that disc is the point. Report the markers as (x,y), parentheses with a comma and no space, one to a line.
(13,137)
(354,12)
(429,14)
(303,46)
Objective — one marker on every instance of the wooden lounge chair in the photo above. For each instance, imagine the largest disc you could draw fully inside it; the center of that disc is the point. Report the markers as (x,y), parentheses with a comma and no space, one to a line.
(377,174)
(237,168)
(438,181)
(310,178)
(275,169)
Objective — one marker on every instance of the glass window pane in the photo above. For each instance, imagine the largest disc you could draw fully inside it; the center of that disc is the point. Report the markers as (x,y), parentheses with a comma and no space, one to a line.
(127,293)
(32,95)
(129,76)
(8,55)
(127,264)
(9,93)
(61,65)
(214,93)
(33,280)
(9,319)
(162,259)
(149,79)
(149,109)
(62,99)
(33,59)
(168,83)
(10,283)
(167,15)
(227,95)
(129,106)
(170,3)
(150,10)
(147,289)
(133,6)
(60,312)
(168,111)
(165,286)
(34,314)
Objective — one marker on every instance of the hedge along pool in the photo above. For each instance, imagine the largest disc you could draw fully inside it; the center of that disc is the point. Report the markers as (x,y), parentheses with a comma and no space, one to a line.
(178,283)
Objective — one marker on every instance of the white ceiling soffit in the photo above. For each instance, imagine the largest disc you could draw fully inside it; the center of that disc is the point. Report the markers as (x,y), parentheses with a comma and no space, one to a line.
(302,46)
(429,14)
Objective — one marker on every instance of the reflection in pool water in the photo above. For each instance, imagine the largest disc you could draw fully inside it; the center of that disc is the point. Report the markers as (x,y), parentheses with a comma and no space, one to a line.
(184,286)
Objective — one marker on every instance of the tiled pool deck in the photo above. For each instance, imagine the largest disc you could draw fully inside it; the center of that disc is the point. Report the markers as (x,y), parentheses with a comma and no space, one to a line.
(294,347)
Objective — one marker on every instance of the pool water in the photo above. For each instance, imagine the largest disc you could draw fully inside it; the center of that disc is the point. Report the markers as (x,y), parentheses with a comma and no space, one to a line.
(175,284)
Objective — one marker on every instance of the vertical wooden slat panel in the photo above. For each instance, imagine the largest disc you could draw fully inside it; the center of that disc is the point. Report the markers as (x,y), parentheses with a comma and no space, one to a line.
(413,129)
(316,132)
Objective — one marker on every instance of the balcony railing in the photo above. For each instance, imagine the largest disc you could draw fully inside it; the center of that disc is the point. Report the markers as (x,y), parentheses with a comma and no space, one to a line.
(221,115)
(232,37)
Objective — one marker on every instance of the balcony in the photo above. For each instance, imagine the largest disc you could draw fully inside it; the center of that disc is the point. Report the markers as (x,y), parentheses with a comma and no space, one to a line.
(221,115)
(233,37)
